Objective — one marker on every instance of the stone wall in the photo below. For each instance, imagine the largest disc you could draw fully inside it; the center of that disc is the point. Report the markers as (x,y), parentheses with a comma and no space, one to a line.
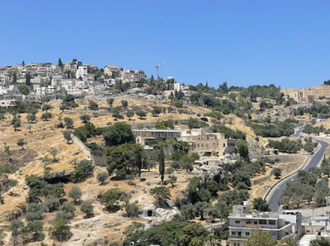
(96,160)
(283,159)
(261,180)
(87,151)
(149,124)
(99,160)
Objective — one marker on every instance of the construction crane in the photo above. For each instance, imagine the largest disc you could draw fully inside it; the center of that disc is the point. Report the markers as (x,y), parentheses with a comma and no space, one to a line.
(157,66)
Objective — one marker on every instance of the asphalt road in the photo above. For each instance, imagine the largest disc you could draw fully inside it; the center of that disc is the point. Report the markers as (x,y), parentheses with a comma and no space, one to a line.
(297,131)
(274,196)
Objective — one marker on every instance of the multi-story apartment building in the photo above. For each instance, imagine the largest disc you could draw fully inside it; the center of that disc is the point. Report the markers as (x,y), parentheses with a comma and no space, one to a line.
(56,82)
(243,223)
(4,80)
(48,69)
(7,102)
(32,66)
(111,82)
(75,92)
(81,72)
(128,75)
(37,80)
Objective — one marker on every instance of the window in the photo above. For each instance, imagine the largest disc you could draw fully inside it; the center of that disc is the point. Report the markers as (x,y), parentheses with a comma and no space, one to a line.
(255,222)
(247,233)
(262,222)
(237,222)
(233,233)
(248,222)
(271,222)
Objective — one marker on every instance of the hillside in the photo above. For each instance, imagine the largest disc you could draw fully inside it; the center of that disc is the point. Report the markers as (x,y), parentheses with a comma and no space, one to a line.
(45,135)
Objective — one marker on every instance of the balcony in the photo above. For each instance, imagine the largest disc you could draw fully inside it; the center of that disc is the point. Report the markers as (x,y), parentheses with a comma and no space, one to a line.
(253,226)
(238,236)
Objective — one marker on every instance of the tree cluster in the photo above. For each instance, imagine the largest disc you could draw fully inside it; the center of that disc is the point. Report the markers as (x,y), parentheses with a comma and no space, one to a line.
(309,129)
(125,159)
(68,103)
(165,124)
(307,187)
(174,232)
(290,146)
(229,133)
(275,129)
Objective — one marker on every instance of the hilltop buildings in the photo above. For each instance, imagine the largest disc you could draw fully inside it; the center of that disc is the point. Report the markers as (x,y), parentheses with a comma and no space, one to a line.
(301,95)
(73,77)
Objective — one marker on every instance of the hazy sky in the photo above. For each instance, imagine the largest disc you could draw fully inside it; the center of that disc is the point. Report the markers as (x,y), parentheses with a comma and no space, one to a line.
(244,42)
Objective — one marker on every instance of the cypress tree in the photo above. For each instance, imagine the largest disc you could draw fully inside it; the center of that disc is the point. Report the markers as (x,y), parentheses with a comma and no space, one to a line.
(161,164)
(28,79)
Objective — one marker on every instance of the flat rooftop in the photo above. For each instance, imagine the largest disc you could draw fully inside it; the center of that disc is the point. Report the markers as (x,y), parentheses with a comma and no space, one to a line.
(155,130)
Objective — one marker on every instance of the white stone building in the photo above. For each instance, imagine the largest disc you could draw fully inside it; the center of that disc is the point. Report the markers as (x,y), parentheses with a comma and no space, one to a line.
(81,72)
(243,223)
(4,80)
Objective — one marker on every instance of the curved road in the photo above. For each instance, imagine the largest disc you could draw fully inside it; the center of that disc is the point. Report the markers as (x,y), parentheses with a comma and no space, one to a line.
(297,131)
(274,196)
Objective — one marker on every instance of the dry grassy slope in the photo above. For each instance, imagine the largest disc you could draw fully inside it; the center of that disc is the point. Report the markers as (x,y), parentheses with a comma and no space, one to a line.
(143,104)
(198,109)
(239,124)
(288,166)
(44,136)
(325,123)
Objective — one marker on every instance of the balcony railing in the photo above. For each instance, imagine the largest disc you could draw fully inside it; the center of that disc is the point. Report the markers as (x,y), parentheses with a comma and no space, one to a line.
(253,226)
(239,236)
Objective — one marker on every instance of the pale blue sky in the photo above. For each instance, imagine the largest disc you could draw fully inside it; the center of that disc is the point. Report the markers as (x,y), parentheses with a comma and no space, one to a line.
(242,42)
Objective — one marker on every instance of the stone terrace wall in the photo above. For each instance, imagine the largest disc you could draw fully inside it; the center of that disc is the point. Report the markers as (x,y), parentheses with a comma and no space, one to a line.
(282,158)
(261,180)
(150,123)
(87,151)
(96,160)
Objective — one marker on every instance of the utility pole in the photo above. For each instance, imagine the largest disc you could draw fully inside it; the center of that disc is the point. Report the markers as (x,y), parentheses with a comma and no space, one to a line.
(157,66)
